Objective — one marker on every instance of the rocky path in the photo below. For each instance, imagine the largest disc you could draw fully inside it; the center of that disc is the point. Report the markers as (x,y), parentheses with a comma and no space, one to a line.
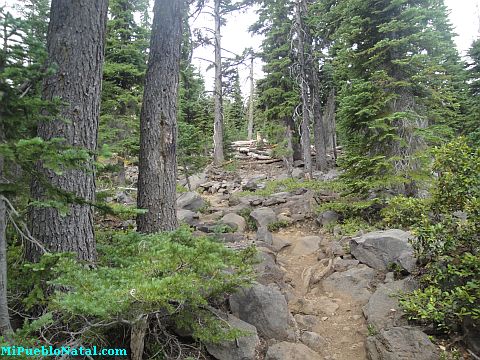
(313,300)
(327,320)
(317,297)
(335,316)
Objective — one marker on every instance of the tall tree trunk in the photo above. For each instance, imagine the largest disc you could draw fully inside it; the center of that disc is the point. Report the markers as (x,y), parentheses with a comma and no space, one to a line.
(75,41)
(320,131)
(305,125)
(158,121)
(330,126)
(218,156)
(5,326)
(250,107)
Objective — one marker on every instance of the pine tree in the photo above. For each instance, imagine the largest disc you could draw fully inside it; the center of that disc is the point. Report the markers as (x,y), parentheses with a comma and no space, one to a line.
(77,59)
(234,110)
(123,75)
(398,66)
(472,125)
(278,95)
(158,121)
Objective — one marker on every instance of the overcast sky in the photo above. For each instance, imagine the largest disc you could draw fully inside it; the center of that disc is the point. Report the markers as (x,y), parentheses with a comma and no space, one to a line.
(464,16)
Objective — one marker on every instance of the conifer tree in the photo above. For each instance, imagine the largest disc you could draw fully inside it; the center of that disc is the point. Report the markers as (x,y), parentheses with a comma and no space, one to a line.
(75,40)
(472,125)
(123,75)
(278,95)
(398,66)
(158,121)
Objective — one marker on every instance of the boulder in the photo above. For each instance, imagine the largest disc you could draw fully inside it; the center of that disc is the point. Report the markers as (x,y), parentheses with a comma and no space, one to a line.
(313,340)
(263,216)
(243,348)
(399,343)
(381,249)
(297,173)
(306,245)
(274,200)
(187,216)
(264,235)
(471,332)
(327,217)
(355,282)
(268,272)
(196,180)
(291,351)
(251,185)
(235,221)
(383,310)
(190,201)
(265,308)
(307,322)
(340,264)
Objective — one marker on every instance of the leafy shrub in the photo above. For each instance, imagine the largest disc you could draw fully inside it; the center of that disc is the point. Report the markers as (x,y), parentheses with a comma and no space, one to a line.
(251,224)
(403,211)
(277,225)
(448,242)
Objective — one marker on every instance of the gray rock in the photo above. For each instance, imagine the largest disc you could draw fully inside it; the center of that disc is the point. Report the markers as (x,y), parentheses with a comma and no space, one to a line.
(337,249)
(251,185)
(242,349)
(196,180)
(313,340)
(235,221)
(187,216)
(307,245)
(274,200)
(381,249)
(229,237)
(268,272)
(354,282)
(122,198)
(383,310)
(472,335)
(265,308)
(344,264)
(307,322)
(401,343)
(291,351)
(327,217)
(190,201)
(263,216)
(297,173)
(264,235)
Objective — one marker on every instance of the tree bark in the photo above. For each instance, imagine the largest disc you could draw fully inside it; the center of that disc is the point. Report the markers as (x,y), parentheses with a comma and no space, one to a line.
(330,126)
(5,325)
(305,125)
(320,131)
(218,156)
(250,107)
(75,42)
(158,121)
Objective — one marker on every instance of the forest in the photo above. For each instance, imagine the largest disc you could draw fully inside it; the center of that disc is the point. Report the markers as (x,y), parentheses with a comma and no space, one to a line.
(332,212)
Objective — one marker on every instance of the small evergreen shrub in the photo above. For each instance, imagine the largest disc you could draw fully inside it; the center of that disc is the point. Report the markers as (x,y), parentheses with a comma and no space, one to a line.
(174,278)
(448,242)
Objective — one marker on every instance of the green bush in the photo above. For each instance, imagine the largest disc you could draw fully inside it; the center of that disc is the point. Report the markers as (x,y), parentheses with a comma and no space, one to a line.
(404,211)
(448,242)
(175,278)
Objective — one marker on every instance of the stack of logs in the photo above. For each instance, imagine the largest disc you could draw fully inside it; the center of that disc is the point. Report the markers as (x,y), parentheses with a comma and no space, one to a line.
(261,150)
(252,149)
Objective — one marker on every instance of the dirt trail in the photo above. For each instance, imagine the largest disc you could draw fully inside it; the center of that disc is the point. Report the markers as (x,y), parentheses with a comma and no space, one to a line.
(341,321)
(338,318)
